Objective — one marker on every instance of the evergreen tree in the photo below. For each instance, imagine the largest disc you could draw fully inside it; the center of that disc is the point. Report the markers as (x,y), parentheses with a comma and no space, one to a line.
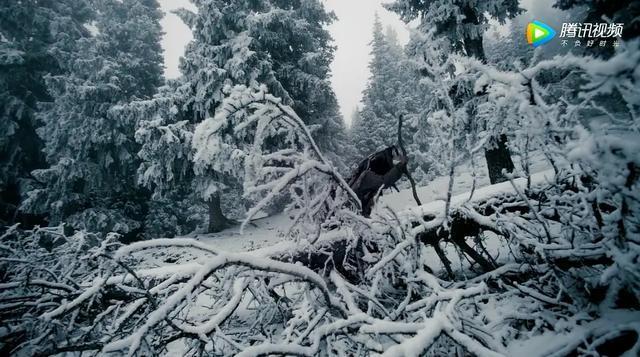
(390,92)
(92,154)
(36,39)
(509,51)
(377,118)
(281,44)
(295,35)
(462,24)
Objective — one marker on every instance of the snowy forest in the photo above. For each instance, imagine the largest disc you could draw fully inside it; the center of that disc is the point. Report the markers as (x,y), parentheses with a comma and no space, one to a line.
(483,200)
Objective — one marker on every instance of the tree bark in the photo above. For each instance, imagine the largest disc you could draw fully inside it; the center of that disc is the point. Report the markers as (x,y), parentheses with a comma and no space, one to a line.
(499,158)
(217,220)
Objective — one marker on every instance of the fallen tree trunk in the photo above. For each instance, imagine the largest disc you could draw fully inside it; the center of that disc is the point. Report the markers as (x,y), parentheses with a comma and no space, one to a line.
(468,219)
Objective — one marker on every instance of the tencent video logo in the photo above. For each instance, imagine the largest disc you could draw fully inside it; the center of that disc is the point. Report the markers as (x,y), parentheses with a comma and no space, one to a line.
(539,33)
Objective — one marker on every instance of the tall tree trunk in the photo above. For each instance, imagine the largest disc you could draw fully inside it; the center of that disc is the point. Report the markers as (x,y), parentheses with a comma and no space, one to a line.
(217,220)
(499,157)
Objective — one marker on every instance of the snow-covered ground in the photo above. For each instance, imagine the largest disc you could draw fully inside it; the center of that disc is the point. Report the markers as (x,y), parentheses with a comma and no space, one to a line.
(265,235)
(270,233)
(437,188)
(259,233)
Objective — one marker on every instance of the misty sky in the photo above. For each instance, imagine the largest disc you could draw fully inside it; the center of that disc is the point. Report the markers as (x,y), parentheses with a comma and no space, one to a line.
(352,33)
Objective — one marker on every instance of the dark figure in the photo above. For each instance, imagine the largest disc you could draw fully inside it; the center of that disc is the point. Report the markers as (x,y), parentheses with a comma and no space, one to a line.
(376,171)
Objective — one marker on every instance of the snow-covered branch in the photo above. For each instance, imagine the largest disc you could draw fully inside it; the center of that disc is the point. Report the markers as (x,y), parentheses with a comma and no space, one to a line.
(257,118)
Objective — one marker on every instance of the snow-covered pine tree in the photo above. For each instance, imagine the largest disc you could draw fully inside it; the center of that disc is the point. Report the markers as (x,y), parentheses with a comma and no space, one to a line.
(509,51)
(372,131)
(224,52)
(272,151)
(165,169)
(355,126)
(282,44)
(329,130)
(390,92)
(296,36)
(92,154)
(463,24)
(35,40)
